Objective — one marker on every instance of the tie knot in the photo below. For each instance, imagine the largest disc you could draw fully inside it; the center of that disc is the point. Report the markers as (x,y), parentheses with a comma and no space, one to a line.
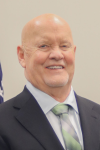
(60,109)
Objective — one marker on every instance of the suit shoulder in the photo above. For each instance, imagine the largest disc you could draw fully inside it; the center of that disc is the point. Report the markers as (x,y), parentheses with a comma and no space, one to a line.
(18,100)
(88,103)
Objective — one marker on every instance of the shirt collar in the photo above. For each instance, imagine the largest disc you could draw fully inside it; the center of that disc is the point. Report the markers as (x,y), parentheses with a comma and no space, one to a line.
(46,102)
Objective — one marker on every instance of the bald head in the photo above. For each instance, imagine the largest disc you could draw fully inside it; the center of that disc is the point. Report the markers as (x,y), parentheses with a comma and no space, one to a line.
(42,22)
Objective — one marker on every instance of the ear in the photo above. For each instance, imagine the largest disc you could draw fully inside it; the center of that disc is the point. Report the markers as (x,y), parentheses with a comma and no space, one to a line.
(21,57)
(74,49)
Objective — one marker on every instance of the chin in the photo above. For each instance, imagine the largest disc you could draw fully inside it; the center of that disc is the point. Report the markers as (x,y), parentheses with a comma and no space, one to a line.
(57,83)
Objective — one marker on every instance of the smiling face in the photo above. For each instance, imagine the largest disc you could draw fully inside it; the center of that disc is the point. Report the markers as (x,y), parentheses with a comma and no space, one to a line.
(49,53)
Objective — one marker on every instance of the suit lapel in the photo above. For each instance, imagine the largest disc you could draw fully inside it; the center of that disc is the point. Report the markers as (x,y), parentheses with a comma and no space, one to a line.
(33,119)
(90,123)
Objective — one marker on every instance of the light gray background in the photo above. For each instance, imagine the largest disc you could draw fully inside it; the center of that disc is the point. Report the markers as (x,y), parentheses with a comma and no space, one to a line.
(83,17)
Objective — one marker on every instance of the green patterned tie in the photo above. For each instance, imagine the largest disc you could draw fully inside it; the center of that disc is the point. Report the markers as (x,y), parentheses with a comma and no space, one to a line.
(70,136)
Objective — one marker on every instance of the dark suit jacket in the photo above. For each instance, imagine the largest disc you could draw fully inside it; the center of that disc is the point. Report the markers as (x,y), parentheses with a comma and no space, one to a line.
(23,125)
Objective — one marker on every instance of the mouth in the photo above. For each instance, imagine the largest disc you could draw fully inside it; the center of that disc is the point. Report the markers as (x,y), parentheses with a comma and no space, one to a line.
(55,67)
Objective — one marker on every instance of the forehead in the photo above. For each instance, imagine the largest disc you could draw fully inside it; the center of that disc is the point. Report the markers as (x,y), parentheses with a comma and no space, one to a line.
(48,30)
(51,33)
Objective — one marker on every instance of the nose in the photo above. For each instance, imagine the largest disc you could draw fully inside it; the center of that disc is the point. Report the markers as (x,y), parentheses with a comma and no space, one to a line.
(56,54)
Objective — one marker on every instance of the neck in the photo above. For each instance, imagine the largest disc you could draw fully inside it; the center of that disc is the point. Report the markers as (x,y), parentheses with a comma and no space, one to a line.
(59,94)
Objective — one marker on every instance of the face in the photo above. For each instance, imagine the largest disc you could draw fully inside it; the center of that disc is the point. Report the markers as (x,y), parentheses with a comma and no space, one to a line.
(50,56)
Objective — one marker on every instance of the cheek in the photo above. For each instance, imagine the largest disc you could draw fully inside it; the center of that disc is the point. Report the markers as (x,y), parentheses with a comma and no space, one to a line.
(40,57)
(70,57)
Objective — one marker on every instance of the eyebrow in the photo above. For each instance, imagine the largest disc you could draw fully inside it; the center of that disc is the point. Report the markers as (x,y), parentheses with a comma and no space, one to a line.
(66,41)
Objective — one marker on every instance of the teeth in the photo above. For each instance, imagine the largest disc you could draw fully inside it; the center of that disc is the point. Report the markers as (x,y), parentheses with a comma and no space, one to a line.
(55,67)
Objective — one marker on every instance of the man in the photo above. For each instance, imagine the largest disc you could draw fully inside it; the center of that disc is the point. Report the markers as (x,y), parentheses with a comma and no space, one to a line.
(28,121)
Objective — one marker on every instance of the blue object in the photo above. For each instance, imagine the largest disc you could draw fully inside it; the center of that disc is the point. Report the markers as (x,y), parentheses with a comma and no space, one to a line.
(1,87)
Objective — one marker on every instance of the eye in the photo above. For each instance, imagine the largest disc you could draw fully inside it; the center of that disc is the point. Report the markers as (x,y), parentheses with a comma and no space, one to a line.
(64,46)
(43,46)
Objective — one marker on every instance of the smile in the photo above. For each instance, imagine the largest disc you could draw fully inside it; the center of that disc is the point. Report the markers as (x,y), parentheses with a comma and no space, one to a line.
(55,67)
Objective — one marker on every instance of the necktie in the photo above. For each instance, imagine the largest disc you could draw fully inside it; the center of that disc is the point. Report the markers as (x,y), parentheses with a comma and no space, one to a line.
(70,136)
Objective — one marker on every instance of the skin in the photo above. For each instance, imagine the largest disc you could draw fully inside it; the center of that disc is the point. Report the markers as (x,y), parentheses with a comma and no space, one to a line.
(47,42)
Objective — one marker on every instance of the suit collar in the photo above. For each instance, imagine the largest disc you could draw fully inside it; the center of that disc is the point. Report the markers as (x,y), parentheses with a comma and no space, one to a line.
(22,98)
(31,116)
(90,123)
